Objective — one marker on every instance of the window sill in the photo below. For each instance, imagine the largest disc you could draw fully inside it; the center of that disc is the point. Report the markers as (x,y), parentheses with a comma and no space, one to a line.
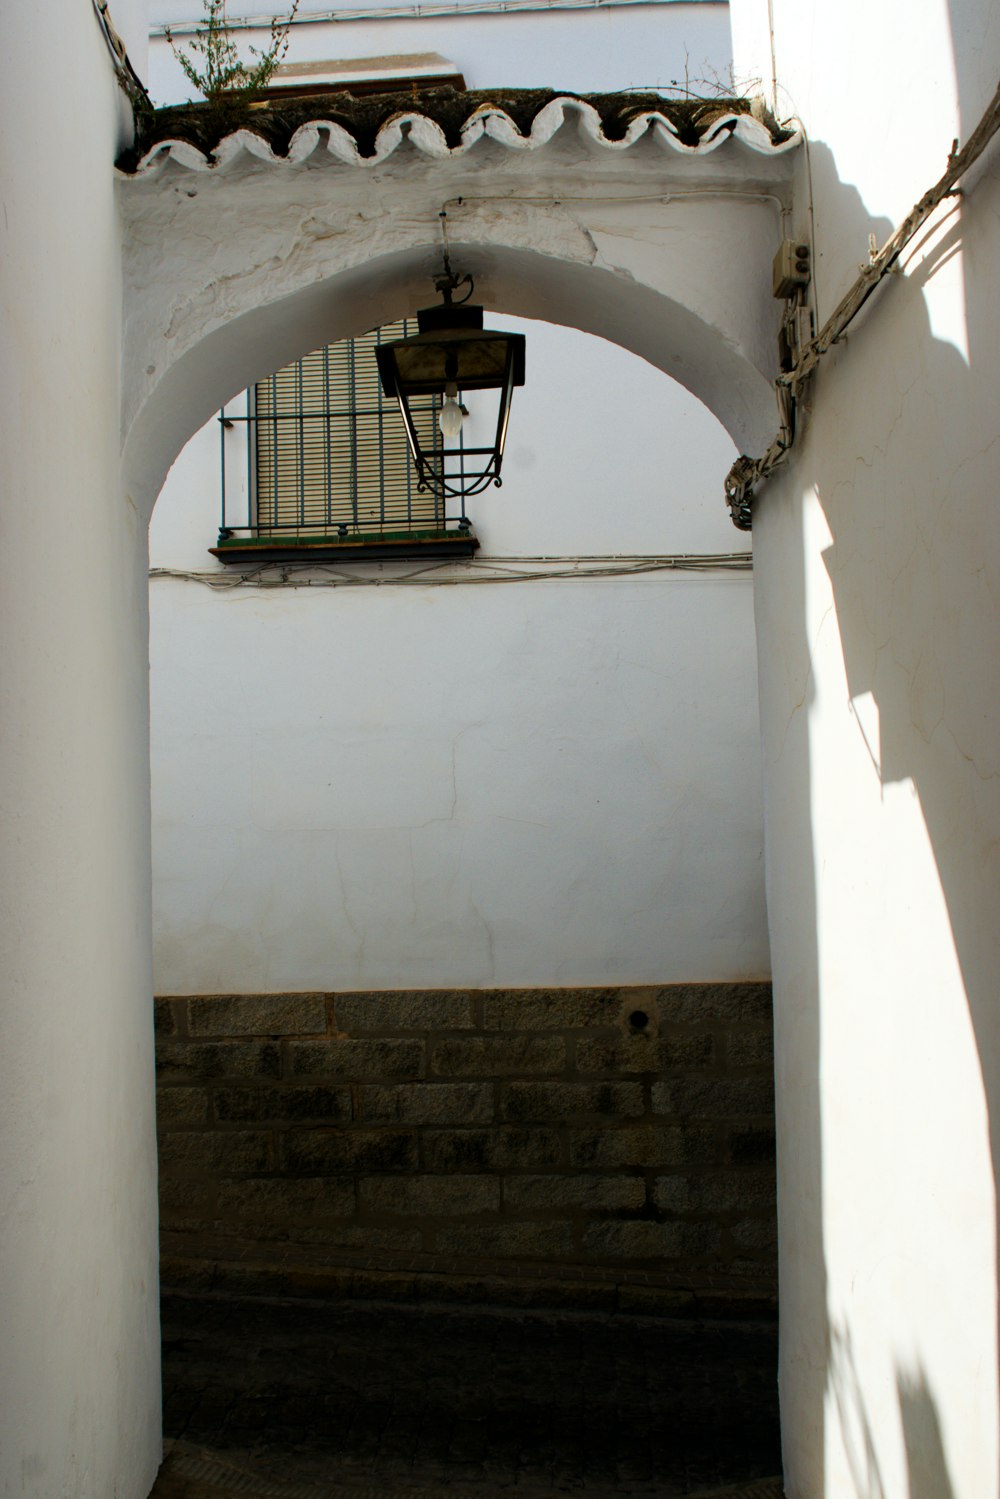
(260,550)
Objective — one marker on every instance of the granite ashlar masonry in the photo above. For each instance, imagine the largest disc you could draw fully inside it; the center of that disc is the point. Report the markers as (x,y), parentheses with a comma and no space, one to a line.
(608,1147)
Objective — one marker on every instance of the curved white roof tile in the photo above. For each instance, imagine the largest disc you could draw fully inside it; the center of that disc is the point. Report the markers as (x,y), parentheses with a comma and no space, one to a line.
(427,136)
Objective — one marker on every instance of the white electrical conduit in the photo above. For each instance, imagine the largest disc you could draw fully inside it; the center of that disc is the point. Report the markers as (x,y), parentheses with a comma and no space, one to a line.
(418,12)
(611,199)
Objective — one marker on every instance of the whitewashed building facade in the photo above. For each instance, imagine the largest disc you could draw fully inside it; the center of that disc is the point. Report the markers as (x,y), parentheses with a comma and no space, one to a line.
(877,635)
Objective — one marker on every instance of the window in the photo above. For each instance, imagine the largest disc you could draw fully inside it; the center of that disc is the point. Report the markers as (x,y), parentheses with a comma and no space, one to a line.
(328,469)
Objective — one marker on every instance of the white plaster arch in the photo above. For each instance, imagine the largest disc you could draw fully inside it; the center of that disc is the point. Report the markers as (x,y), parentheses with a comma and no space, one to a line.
(232,273)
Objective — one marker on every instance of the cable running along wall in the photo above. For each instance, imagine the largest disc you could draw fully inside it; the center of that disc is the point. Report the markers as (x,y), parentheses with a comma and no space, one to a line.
(747,474)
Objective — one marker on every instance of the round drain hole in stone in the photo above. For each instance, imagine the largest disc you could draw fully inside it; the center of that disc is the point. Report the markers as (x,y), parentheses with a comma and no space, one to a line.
(638,1020)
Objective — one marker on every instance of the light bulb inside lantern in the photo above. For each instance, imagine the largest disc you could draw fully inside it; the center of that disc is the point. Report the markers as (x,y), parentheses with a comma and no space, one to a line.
(452,415)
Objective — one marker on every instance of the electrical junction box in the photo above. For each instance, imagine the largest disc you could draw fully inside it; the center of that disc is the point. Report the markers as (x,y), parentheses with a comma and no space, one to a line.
(792,268)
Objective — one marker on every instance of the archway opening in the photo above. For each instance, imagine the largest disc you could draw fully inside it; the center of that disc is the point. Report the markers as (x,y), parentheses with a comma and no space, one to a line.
(443,902)
(209,361)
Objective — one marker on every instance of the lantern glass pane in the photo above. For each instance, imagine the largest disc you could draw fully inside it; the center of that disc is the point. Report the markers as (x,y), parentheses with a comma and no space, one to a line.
(477,363)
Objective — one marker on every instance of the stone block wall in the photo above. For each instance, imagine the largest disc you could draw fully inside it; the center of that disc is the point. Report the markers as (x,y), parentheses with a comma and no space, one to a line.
(601,1146)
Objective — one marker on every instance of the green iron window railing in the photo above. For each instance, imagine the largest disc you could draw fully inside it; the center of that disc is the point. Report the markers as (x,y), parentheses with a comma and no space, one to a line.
(327,455)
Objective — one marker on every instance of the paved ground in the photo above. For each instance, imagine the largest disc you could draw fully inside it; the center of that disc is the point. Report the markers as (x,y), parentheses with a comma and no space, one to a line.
(291,1398)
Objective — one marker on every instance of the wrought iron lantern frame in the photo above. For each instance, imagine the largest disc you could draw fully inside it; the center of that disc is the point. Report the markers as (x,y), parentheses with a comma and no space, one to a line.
(451,355)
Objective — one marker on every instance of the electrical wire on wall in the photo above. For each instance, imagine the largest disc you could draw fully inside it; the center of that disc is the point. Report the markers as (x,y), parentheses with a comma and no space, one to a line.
(474,571)
(747,474)
(128,79)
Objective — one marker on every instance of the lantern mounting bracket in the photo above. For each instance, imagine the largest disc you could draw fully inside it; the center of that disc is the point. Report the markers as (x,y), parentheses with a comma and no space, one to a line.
(447,281)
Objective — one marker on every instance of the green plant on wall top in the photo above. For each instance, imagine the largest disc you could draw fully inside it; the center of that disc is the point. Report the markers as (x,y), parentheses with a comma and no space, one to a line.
(213,64)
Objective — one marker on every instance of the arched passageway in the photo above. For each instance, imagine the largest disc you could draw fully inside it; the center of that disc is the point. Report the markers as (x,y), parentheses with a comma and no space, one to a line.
(665,252)
(912,1306)
(614,264)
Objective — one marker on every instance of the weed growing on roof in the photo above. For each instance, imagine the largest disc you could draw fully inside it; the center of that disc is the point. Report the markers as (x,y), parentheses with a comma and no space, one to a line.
(213,64)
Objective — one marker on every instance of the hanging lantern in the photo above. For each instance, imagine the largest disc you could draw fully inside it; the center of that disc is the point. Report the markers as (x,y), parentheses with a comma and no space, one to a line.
(452,355)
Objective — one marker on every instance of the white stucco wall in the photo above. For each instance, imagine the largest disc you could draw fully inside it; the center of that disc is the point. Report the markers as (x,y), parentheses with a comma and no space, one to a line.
(79,1372)
(876,557)
(878,636)
(552,782)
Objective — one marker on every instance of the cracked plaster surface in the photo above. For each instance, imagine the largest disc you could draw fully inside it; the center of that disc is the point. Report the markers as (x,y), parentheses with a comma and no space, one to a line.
(228,276)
